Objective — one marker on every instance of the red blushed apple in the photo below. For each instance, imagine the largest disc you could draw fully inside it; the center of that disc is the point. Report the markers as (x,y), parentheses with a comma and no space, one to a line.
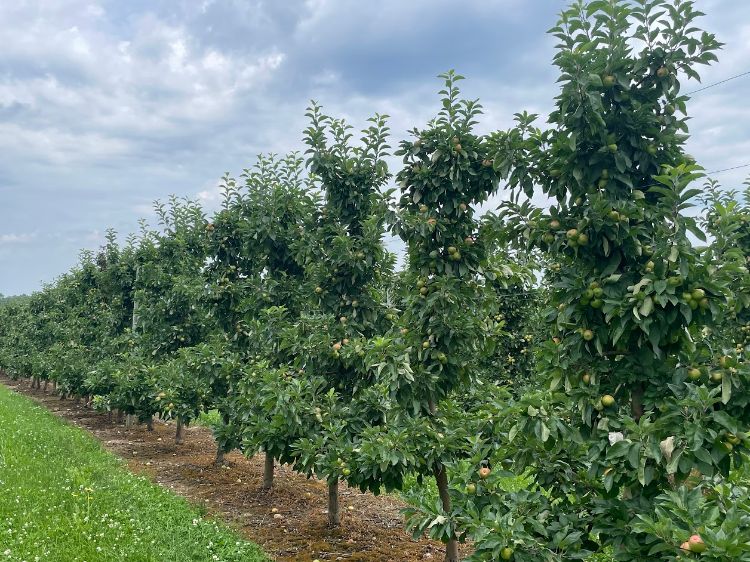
(696,544)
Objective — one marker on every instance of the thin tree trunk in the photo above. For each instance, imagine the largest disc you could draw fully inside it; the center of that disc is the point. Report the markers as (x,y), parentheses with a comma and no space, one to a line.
(268,472)
(219,456)
(441,478)
(46,383)
(150,423)
(119,418)
(180,435)
(220,452)
(54,386)
(129,421)
(334,517)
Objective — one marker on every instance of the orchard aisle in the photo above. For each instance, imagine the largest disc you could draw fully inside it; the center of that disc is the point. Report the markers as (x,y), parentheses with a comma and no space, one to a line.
(65,499)
(289,522)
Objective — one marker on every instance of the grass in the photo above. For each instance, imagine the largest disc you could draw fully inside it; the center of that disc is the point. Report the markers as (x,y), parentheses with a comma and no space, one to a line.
(209,419)
(64,499)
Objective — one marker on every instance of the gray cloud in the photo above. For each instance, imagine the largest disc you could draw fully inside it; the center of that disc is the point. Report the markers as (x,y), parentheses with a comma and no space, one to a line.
(107,105)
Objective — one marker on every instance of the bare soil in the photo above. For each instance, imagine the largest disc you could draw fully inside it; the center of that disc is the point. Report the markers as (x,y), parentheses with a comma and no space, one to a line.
(296,529)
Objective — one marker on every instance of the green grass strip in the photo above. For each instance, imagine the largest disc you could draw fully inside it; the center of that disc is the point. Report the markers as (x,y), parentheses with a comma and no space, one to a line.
(65,499)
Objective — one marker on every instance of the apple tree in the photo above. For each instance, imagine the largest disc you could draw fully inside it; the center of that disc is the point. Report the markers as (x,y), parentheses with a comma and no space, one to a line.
(280,207)
(442,324)
(346,266)
(623,420)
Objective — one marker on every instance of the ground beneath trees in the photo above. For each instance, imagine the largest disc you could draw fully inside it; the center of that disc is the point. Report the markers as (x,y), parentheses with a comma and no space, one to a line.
(371,531)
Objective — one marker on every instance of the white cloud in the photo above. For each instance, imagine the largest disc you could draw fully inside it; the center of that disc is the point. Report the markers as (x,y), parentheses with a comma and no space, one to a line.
(76,84)
(59,147)
(10,239)
(107,105)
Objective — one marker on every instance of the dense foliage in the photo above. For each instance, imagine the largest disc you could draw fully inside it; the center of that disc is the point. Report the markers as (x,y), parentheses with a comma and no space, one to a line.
(593,349)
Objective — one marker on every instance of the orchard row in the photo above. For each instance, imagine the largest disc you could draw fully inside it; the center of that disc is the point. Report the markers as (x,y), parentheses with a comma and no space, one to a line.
(617,387)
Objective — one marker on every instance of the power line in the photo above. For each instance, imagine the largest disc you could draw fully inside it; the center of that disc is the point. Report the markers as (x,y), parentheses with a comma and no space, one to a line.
(728,169)
(704,173)
(719,83)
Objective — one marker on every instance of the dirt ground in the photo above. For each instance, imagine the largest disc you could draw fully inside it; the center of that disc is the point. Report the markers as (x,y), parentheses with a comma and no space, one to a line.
(371,531)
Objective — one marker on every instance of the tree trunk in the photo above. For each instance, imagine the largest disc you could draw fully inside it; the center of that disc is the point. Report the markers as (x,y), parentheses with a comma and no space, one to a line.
(120,417)
(441,478)
(268,473)
(129,421)
(220,452)
(54,386)
(219,456)
(334,518)
(180,435)
(150,423)
(637,402)
(46,383)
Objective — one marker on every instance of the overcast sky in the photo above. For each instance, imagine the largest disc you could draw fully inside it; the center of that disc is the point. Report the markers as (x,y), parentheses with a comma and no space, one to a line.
(107,105)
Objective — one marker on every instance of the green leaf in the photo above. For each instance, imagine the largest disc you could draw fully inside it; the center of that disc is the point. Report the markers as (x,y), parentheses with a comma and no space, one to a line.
(726,389)
(674,462)
(646,307)
(634,454)
(545,432)
(642,471)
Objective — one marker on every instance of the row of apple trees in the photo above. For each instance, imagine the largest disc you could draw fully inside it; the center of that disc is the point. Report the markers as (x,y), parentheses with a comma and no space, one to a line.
(283,311)
(621,403)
